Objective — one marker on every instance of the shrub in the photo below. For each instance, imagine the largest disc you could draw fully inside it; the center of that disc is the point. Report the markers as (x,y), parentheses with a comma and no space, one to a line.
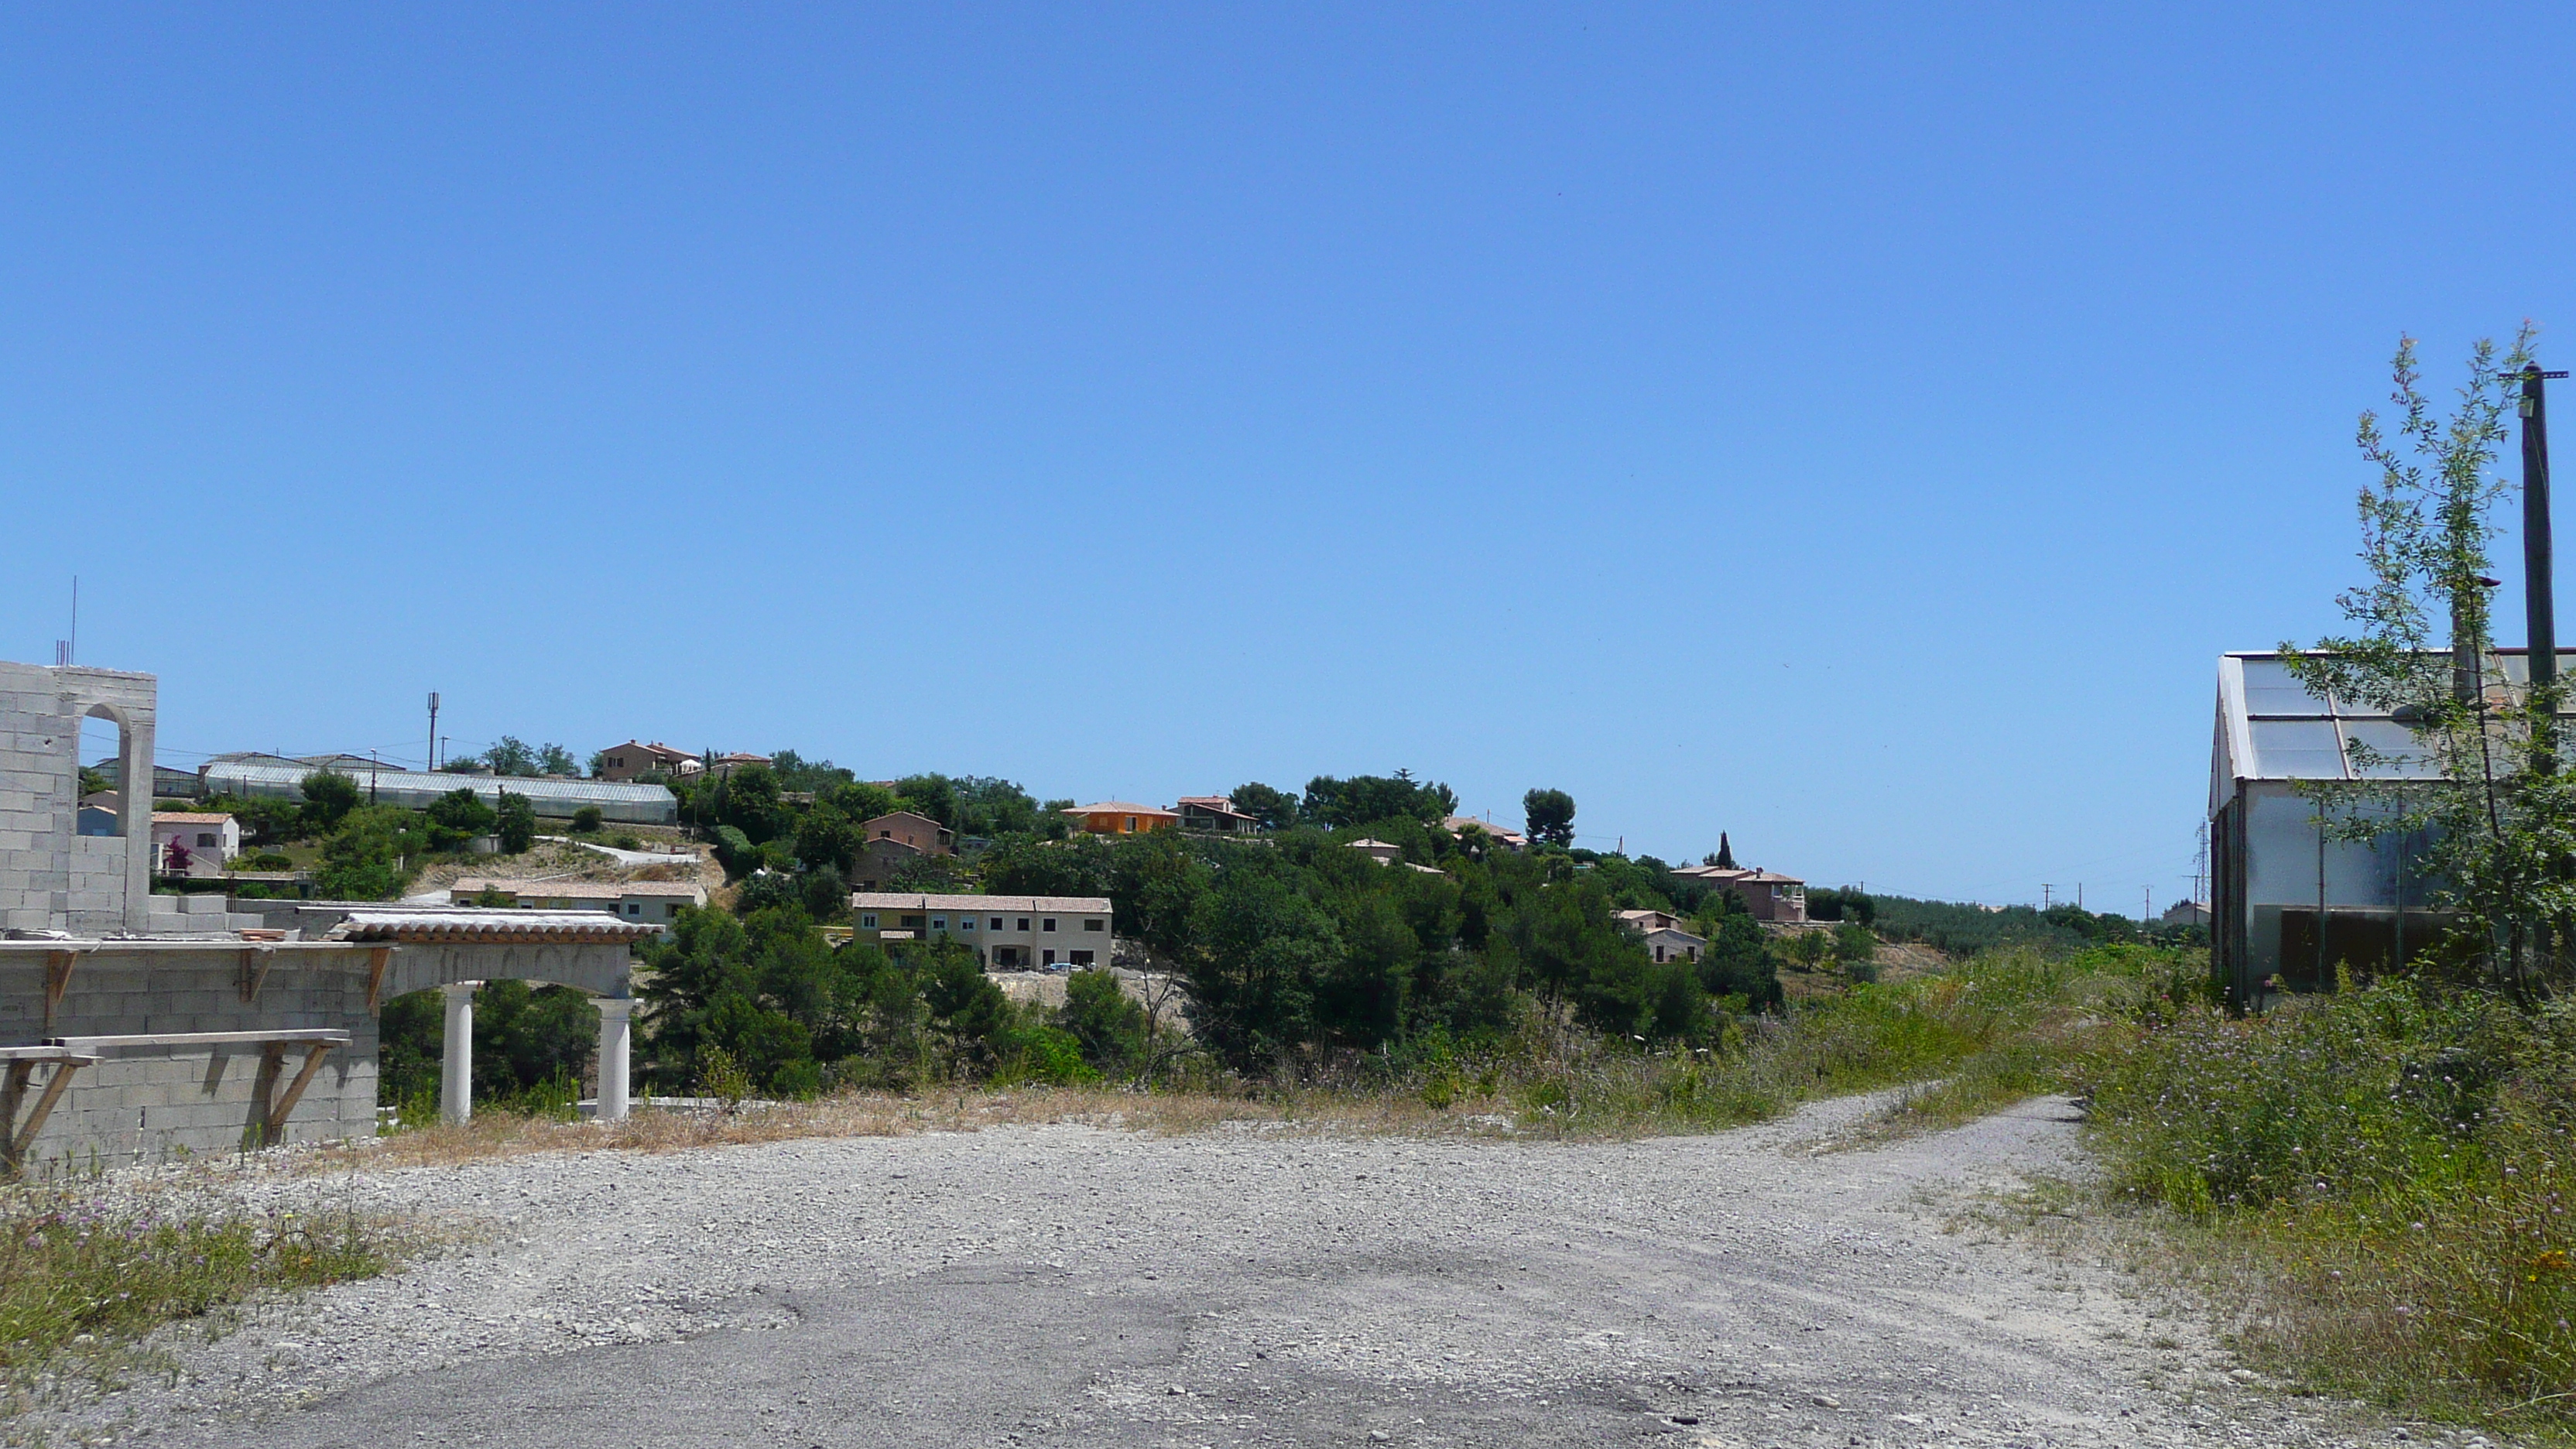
(457,817)
(586,820)
(721,1077)
(515,821)
(1106,1024)
(2391,1165)
(1031,1051)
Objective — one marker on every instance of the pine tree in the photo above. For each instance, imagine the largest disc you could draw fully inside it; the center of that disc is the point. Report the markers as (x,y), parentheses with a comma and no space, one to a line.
(1725,854)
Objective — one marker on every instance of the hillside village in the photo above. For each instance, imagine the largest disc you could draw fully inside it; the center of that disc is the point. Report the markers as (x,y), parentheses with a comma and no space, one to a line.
(1420,917)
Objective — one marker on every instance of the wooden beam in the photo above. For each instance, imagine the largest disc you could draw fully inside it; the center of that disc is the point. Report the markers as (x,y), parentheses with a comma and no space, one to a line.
(377,960)
(25,1136)
(12,1092)
(252,981)
(294,1093)
(58,978)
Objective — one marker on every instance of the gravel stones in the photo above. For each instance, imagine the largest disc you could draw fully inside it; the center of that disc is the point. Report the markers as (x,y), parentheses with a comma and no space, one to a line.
(1063,1285)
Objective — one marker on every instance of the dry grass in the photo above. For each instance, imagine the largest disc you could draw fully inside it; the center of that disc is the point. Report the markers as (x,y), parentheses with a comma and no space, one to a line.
(1995,1030)
(85,1274)
(865,1114)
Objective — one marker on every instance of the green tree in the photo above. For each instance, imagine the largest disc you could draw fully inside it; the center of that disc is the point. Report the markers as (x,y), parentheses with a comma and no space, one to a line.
(1550,814)
(457,817)
(2499,821)
(512,756)
(826,837)
(372,855)
(933,795)
(1738,961)
(1275,809)
(862,800)
(1258,948)
(515,821)
(1854,942)
(1370,799)
(263,822)
(824,893)
(556,760)
(328,798)
(527,1035)
(963,1001)
(765,988)
(1108,1024)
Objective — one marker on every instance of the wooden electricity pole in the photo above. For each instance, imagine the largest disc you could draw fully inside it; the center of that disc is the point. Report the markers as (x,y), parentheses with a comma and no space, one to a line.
(2539,603)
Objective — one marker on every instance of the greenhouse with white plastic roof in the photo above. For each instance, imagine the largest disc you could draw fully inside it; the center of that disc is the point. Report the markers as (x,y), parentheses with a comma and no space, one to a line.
(2289,901)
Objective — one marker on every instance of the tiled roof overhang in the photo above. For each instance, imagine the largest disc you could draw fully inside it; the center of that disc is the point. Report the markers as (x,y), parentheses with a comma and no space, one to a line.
(491,928)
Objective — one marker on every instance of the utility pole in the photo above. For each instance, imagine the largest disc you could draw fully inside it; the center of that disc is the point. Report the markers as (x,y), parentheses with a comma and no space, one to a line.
(373,765)
(2539,603)
(2044,889)
(2147,912)
(433,729)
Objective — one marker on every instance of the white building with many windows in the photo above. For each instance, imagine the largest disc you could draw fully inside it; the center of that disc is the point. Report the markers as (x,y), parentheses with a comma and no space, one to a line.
(1009,933)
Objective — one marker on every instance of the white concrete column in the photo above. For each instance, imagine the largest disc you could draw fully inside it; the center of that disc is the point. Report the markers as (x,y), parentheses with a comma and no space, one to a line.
(456,1075)
(615,1032)
(134,814)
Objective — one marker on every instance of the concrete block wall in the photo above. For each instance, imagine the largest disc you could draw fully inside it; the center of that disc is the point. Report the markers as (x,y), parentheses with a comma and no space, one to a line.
(39,798)
(146,1104)
(50,878)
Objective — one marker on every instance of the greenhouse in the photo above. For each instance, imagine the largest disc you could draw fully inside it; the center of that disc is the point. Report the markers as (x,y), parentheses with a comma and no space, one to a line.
(552,797)
(2288,901)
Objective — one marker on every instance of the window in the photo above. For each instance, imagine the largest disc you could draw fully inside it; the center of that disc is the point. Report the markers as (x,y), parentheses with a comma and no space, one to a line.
(912,922)
(965,923)
(997,923)
(1048,924)
(939,923)
(206,838)
(1131,824)
(867,922)
(672,910)
(633,909)
(1082,958)
(1094,924)
(1024,923)
(1049,957)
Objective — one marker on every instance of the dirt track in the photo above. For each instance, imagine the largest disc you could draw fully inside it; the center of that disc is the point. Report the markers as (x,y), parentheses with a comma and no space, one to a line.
(1041,1286)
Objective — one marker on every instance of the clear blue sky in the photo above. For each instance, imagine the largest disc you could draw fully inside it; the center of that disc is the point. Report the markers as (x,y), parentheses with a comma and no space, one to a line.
(1856,431)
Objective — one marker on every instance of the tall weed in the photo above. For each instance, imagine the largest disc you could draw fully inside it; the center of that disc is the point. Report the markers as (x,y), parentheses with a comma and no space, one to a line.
(2385,1173)
(78,1275)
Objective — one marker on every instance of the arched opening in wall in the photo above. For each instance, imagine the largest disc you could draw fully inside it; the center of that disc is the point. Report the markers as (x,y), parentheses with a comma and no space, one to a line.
(534,1046)
(102,746)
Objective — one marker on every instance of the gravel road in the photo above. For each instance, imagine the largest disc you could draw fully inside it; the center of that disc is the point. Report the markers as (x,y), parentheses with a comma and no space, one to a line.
(1071,1286)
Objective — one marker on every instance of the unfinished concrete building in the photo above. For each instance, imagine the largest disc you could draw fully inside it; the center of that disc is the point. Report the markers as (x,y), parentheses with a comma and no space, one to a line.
(133,1026)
